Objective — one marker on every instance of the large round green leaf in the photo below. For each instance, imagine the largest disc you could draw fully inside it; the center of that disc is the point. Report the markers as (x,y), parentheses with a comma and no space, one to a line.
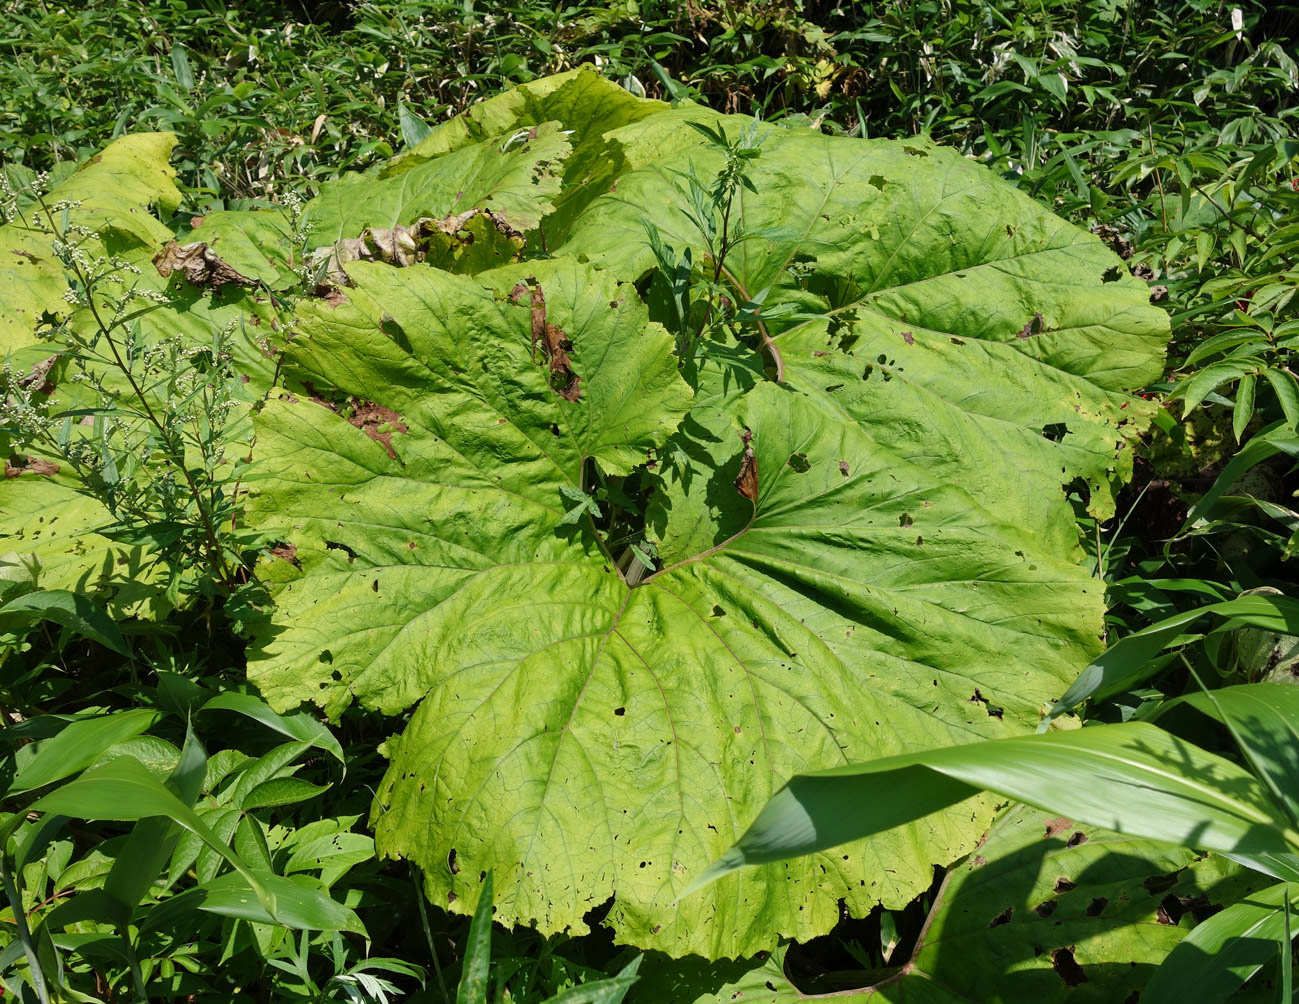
(874,555)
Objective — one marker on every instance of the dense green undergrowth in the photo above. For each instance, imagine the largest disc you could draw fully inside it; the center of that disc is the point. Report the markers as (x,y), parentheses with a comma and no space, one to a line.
(596,463)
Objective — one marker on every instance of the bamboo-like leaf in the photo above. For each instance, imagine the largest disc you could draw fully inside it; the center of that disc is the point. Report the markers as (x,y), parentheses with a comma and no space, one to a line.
(78,745)
(1224,951)
(123,789)
(1286,388)
(1132,778)
(300,725)
(1131,659)
(478,950)
(1276,438)
(75,611)
(1264,718)
(1244,409)
(610,991)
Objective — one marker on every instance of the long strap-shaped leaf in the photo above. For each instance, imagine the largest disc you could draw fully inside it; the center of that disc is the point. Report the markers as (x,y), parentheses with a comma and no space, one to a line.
(1131,659)
(1264,719)
(124,789)
(1214,960)
(478,950)
(1132,778)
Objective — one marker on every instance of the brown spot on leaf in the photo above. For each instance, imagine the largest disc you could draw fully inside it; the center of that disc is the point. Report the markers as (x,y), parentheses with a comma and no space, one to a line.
(200,265)
(1034,327)
(285,552)
(377,422)
(553,341)
(843,468)
(1063,962)
(746,482)
(439,241)
(21,465)
(1057,825)
(909,338)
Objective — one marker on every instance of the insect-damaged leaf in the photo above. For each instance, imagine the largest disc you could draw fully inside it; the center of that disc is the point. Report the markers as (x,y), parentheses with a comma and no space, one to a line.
(1054,911)
(873,556)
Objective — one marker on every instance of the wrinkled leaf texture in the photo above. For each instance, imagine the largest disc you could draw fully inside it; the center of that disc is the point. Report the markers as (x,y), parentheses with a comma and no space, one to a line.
(906,577)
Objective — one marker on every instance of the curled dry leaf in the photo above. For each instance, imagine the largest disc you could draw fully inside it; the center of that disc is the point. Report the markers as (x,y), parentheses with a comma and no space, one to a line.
(556,344)
(444,243)
(200,265)
(746,482)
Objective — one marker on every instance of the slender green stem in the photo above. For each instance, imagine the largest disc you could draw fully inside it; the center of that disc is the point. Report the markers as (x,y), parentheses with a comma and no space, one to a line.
(428,936)
(24,934)
(137,976)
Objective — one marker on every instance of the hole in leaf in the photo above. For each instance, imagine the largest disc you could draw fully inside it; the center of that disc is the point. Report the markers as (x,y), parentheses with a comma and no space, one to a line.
(1034,327)
(798,461)
(1055,432)
(333,545)
(1161,883)
(1096,906)
(1063,962)
(1003,917)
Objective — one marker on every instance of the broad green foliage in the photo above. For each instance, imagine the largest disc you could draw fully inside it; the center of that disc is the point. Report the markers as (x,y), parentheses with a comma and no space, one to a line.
(1045,909)
(835,581)
(111,195)
(48,541)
